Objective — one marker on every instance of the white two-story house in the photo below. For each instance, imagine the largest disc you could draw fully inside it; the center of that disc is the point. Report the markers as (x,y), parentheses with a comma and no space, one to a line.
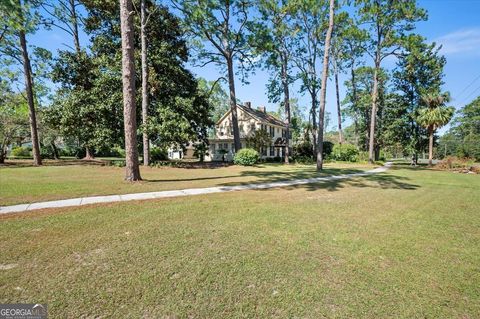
(222,146)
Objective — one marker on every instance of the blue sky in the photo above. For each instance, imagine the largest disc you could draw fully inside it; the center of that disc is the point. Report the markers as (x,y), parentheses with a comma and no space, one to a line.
(453,23)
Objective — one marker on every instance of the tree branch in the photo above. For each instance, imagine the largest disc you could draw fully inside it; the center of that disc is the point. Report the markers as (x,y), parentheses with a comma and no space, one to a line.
(3,33)
(214,84)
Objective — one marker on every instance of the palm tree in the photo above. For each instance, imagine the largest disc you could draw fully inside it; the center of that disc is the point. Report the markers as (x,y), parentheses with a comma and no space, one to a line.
(435,115)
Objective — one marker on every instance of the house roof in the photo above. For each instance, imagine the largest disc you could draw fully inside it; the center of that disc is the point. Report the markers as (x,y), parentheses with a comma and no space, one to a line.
(259,115)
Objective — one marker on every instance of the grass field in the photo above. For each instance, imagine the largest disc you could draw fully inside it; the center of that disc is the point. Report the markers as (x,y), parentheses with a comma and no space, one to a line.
(404,244)
(31,184)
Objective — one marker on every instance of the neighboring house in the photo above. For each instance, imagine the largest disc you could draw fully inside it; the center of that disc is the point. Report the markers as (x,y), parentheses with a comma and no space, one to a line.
(249,119)
(186,153)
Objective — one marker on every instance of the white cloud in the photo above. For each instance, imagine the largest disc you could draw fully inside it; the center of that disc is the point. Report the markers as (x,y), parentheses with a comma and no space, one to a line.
(465,41)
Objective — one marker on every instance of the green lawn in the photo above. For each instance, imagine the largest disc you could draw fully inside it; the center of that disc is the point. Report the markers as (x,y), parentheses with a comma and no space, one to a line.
(404,244)
(33,184)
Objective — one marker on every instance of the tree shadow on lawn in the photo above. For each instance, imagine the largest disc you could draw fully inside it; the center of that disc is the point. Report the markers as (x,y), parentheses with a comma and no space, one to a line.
(265,176)
(407,166)
(382,181)
(379,180)
(146,180)
(19,163)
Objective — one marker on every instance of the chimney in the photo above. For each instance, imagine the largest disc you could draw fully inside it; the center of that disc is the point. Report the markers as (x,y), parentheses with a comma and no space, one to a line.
(248,105)
(262,109)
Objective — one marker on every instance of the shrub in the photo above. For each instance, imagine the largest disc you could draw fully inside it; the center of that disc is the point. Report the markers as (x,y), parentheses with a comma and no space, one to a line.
(246,157)
(47,152)
(384,155)
(345,152)
(118,163)
(327,148)
(117,151)
(158,154)
(73,151)
(21,152)
(305,149)
(363,156)
(276,159)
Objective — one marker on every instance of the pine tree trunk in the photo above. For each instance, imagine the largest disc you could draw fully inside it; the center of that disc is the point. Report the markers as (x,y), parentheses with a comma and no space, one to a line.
(233,103)
(27,70)
(430,146)
(314,123)
(76,40)
(286,93)
(146,144)
(373,116)
(323,91)
(354,103)
(339,110)
(128,80)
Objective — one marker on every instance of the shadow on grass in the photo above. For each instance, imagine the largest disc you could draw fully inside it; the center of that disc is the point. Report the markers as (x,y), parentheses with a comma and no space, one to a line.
(19,163)
(377,180)
(407,166)
(264,176)
(146,180)
(381,181)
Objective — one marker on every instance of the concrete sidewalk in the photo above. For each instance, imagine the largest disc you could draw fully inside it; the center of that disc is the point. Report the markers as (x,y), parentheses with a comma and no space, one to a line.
(177,193)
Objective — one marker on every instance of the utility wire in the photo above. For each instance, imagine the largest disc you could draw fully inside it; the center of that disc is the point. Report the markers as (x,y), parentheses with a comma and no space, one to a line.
(468,86)
(473,92)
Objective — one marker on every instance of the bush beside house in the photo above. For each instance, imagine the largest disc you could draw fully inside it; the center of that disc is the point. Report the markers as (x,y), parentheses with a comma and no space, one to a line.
(345,152)
(246,157)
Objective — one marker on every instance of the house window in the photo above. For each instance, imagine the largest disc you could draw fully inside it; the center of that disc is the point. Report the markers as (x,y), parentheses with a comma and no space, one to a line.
(213,148)
(283,133)
(225,147)
(252,127)
(264,151)
(233,148)
(272,131)
(272,151)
